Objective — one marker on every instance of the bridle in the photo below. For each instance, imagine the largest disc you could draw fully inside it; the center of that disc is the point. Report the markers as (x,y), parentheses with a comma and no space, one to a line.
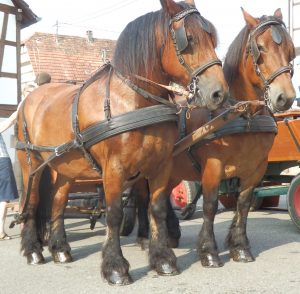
(252,49)
(180,42)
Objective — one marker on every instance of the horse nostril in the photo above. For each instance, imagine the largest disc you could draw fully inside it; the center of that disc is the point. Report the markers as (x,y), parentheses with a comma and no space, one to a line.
(281,100)
(217,96)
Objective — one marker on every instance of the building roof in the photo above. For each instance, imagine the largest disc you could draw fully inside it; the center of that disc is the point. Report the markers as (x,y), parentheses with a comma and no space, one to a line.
(28,17)
(68,58)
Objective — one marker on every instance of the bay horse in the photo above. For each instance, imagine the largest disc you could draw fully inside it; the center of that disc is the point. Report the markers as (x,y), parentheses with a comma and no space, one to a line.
(121,126)
(257,67)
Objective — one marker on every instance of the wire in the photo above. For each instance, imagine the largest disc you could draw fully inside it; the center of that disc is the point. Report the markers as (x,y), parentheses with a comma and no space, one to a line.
(107,10)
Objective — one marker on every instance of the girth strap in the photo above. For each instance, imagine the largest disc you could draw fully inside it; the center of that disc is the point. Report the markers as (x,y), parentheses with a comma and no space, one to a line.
(100,131)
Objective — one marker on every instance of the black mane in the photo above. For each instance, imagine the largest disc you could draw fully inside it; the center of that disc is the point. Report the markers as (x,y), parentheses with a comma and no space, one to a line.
(141,43)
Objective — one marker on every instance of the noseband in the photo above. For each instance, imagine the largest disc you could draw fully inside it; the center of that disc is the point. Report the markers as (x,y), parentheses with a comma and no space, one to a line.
(252,48)
(180,42)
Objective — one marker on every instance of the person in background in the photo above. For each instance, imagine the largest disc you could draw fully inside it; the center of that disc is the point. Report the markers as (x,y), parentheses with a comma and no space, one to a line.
(8,187)
(42,78)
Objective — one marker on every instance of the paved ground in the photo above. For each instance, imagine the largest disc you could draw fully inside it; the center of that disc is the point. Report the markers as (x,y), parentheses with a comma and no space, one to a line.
(275,242)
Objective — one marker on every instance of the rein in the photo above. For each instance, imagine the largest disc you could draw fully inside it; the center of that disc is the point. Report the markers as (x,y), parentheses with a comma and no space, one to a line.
(252,48)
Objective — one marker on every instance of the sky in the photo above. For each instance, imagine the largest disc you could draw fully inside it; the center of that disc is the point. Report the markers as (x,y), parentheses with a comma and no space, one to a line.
(108,18)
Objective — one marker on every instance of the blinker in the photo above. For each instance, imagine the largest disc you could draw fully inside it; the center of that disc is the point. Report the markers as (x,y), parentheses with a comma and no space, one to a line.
(205,25)
(276,35)
(254,50)
(181,38)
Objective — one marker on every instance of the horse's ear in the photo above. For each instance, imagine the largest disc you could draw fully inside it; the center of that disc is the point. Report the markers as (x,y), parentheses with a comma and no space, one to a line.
(190,2)
(278,13)
(170,7)
(250,20)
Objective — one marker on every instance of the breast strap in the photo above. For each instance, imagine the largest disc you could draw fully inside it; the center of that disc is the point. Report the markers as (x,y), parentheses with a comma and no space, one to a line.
(241,125)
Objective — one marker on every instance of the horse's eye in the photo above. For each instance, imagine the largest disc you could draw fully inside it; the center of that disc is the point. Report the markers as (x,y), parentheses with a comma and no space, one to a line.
(260,48)
(190,39)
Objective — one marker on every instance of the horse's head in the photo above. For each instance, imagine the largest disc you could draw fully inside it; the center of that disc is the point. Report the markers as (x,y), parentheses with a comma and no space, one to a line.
(174,44)
(188,54)
(267,53)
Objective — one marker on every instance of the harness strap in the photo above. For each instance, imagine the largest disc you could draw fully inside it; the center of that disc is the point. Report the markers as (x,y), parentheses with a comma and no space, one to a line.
(128,121)
(143,92)
(204,67)
(107,97)
(240,125)
(256,124)
(288,68)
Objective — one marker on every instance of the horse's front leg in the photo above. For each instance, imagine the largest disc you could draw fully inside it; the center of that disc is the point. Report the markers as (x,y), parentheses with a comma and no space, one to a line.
(162,258)
(115,268)
(237,240)
(207,246)
(58,244)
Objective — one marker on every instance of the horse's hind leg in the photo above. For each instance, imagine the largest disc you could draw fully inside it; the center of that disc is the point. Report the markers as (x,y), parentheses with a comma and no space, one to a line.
(114,268)
(58,245)
(174,232)
(141,191)
(237,240)
(162,258)
(31,244)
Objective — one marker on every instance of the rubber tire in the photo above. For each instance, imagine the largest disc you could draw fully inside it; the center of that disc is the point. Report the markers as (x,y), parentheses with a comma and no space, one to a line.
(293,201)
(129,218)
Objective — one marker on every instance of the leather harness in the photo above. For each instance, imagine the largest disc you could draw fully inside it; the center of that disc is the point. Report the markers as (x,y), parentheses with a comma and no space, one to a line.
(240,125)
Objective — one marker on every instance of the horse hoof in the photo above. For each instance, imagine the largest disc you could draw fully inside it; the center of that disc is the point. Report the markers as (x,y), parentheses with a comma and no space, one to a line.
(116,279)
(167,270)
(35,258)
(241,255)
(62,257)
(209,260)
(143,242)
(173,243)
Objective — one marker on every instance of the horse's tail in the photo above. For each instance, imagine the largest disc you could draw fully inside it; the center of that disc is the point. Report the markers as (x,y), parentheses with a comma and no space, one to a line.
(43,215)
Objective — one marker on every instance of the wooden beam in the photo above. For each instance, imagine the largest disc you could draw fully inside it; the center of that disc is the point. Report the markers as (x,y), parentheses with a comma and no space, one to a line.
(8,75)
(3,37)
(6,109)
(18,57)
(9,43)
(8,9)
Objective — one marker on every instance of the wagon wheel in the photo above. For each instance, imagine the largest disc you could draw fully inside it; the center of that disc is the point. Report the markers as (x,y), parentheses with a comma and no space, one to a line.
(183,195)
(293,201)
(129,213)
(268,201)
